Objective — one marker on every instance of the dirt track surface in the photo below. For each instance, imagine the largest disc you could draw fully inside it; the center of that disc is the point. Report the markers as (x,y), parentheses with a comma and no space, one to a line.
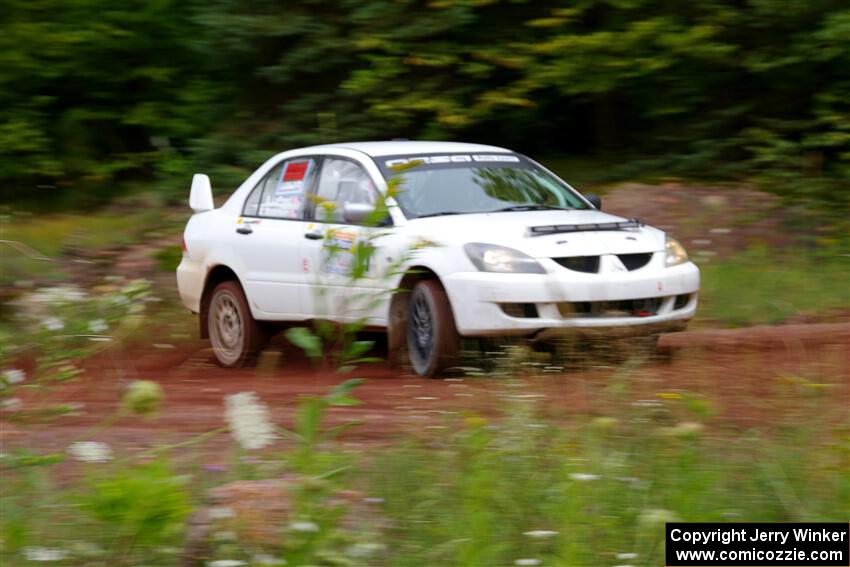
(744,372)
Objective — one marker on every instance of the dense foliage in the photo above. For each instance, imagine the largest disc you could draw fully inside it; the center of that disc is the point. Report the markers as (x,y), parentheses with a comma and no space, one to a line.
(95,94)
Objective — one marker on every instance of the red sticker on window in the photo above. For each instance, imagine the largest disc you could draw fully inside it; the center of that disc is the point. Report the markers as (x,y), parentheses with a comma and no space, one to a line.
(295,171)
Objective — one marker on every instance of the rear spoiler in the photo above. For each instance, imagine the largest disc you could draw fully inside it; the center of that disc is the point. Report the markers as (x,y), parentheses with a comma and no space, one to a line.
(590,227)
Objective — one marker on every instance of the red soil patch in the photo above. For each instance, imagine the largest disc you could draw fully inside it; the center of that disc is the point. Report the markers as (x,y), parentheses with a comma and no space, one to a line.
(753,377)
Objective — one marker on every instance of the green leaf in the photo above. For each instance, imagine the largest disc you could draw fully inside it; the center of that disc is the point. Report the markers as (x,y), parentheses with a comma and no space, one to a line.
(357,348)
(304,339)
(339,395)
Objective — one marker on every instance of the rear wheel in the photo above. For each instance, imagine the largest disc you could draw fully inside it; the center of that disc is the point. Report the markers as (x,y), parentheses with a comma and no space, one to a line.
(433,342)
(235,336)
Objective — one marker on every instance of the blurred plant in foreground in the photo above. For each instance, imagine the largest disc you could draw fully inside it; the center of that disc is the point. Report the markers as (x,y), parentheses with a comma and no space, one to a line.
(55,329)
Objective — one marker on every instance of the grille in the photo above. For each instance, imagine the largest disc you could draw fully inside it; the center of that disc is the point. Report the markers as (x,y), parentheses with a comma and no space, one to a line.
(635,261)
(682,300)
(586,264)
(590,264)
(600,309)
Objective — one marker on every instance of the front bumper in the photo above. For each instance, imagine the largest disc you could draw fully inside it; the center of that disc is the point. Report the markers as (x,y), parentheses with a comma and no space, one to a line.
(653,299)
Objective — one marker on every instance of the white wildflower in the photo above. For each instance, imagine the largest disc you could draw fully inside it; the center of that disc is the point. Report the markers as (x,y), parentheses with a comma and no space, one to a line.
(98,326)
(11,404)
(58,294)
(628,479)
(624,566)
(13,375)
(688,429)
(226,563)
(529,562)
(44,554)
(584,477)
(86,549)
(225,536)
(651,403)
(363,549)
(651,518)
(221,513)
(266,559)
(540,534)
(249,421)
(53,323)
(90,451)
(307,527)
(168,550)
(627,556)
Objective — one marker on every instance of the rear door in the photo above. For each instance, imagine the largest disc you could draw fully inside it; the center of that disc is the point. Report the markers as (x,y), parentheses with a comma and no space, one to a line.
(268,238)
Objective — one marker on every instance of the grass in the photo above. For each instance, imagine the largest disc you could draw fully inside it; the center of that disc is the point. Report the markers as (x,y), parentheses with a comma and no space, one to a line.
(168,258)
(582,490)
(52,235)
(767,287)
(598,489)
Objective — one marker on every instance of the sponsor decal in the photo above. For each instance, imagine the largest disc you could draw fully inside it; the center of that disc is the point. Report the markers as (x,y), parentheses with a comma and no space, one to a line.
(338,252)
(436,160)
(296,170)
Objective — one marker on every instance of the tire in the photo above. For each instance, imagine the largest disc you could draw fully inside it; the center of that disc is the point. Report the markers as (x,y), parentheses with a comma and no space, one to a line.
(433,342)
(235,336)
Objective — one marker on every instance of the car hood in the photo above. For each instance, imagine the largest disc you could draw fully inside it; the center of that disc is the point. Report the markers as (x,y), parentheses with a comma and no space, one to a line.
(512,229)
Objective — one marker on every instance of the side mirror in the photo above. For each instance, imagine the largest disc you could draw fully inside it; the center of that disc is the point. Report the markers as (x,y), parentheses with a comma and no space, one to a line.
(595,200)
(357,213)
(200,197)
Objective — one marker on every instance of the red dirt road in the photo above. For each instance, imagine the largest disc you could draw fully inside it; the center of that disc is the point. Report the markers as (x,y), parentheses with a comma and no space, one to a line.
(752,377)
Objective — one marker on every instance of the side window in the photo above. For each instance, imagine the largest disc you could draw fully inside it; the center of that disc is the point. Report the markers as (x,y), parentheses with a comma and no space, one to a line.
(342,182)
(281,194)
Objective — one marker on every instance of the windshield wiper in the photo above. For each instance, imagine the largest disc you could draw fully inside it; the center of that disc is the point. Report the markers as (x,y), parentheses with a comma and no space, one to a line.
(531,208)
(503,210)
(440,214)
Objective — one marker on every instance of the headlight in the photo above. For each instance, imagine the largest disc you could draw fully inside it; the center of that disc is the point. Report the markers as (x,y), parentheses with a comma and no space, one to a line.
(675,253)
(492,258)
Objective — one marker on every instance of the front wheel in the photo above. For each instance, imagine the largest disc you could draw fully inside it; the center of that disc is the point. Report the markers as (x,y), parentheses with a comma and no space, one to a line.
(235,336)
(432,338)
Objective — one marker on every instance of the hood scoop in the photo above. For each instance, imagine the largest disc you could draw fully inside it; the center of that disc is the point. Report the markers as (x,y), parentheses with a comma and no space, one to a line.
(544,230)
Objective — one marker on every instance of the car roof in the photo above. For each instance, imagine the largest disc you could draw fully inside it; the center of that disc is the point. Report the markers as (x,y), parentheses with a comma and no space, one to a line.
(406,147)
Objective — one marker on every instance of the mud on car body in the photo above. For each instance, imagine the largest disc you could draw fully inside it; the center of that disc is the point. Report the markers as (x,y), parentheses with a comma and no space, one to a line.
(516,251)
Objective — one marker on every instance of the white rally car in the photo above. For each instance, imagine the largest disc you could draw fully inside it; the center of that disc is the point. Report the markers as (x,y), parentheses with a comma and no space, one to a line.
(514,250)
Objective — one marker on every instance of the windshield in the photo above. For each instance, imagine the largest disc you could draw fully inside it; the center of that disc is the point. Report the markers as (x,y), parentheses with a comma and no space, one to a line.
(443,184)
